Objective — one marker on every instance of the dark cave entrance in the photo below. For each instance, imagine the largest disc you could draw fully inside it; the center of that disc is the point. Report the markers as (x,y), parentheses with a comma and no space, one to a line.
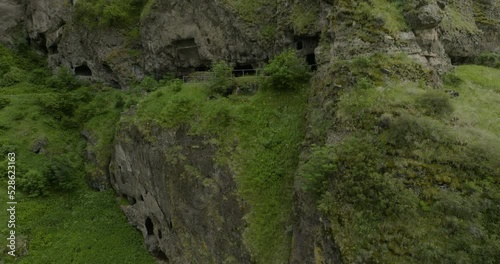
(159,254)
(149,226)
(53,49)
(243,70)
(202,68)
(299,45)
(83,70)
(311,61)
(459,60)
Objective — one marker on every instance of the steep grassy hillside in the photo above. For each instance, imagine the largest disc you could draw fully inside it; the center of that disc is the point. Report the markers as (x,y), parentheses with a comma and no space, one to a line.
(258,136)
(59,219)
(410,173)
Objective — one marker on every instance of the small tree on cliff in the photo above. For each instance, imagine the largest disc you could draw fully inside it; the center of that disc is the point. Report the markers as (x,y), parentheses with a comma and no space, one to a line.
(221,79)
(286,71)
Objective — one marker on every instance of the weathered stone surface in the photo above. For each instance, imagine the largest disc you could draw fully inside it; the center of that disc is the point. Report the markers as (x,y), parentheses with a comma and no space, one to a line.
(183,202)
(428,16)
(11,17)
(179,35)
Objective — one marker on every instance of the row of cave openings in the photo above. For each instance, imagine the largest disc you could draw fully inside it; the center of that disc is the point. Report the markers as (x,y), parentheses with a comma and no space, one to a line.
(157,252)
(187,50)
(150,228)
(304,46)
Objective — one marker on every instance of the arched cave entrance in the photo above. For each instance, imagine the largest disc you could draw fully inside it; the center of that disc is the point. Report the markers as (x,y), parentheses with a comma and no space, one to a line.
(311,61)
(83,70)
(149,226)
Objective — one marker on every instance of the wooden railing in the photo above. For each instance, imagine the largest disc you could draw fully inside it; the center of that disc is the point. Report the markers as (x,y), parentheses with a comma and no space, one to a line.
(207,76)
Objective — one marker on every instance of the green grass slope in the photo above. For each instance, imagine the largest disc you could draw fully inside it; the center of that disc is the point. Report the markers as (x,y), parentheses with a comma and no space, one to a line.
(414,174)
(258,137)
(59,219)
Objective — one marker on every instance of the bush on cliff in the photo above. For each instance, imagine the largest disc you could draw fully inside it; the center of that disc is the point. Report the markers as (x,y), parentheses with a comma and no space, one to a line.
(221,81)
(286,71)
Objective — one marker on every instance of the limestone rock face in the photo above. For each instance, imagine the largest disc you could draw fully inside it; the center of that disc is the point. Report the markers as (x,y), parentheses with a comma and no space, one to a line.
(182,201)
(178,35)
(11,17)
(182,36)
(428,16)
(470,27)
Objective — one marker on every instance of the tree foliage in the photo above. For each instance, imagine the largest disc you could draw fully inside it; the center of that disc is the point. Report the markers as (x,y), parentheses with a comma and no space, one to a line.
(221,81)
(287,71)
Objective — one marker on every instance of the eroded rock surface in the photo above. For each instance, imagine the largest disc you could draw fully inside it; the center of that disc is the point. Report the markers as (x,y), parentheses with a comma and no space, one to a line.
(182,201)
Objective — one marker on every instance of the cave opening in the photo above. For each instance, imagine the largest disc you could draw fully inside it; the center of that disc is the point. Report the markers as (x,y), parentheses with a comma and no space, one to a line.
(459,60)
(311,61)
(243,70)
(115,84)
(83,70)
(202,67)
(107,68)
(299,45)
(53,49)
(159,254)
(160,235)
(149,226)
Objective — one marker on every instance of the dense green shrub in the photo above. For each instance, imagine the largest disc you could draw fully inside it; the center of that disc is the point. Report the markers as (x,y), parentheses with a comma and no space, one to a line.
(148,84)
(34,183)
(4,102)
(488,59)
(59,175)
(435,103)
(39,76)
(316,170)
(13,76)
(451,79)
(57,105)
(64,80)
(286,71)
(62,174)
(175,85)
(221,81)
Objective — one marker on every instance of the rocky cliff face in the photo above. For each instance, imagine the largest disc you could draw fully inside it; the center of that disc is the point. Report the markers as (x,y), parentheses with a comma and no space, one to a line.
(185,204)
(182,36)
(11,19)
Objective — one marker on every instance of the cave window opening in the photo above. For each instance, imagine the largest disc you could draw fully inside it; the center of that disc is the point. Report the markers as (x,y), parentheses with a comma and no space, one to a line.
(185,43)
(159,254)
(202,68)
(169,224)
(243,70)
(149,226)
(311,61)
(160,235)
(458,60)
(132,200)
(107,68)
(115,84)
(142,198)
(300,45)
(83,70)
(53,49)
